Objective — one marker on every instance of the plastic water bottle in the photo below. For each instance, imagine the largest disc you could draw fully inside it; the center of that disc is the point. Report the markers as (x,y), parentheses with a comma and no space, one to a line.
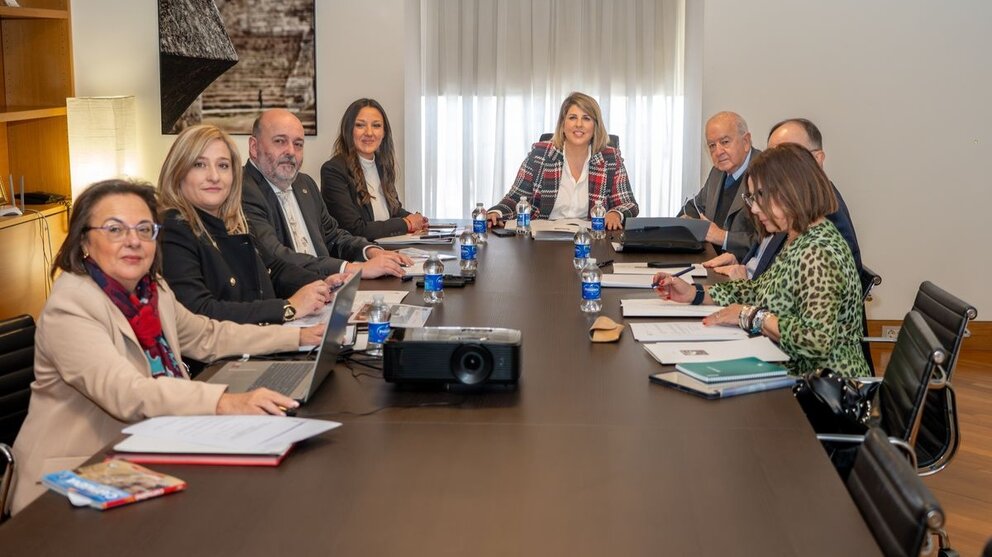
(582,241)
(598,215)
(433,280)
(591,286)
(523,216)
(378,326)
(469,248)
(479,224)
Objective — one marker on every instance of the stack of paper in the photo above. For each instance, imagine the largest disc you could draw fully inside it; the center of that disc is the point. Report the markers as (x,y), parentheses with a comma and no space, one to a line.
(615,280)
(558,230)
(685,352)
(656,307)
(642,269)
(417,238)
(224,440)
(682,331)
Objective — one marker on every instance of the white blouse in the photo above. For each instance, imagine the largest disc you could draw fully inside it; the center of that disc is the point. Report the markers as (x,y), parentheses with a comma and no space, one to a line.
(572,201)
(380,209)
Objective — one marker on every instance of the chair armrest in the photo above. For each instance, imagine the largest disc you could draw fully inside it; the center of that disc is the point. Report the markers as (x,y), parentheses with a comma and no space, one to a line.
(8,476)
(854,439)
(885,340)
(868,380)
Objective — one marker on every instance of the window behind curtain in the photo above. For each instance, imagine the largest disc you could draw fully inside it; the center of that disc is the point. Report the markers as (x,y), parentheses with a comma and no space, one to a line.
(492,75)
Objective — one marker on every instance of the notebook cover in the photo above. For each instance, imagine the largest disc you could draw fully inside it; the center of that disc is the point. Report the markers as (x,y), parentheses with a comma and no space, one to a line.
(732,370)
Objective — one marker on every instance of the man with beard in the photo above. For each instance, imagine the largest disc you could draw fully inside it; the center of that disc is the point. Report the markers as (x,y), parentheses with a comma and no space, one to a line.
(287,215)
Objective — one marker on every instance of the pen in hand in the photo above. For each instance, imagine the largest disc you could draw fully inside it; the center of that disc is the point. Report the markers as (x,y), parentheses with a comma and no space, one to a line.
(678,274)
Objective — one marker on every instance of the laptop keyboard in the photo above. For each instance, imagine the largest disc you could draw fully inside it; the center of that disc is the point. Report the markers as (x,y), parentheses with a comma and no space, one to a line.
(282,377)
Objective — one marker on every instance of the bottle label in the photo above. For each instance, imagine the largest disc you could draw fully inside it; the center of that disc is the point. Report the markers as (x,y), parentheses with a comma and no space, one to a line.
(433,283)
(468,252)
(599,224)
(581,251)
(523,220)
(479,226)
(378,332)
(590,290)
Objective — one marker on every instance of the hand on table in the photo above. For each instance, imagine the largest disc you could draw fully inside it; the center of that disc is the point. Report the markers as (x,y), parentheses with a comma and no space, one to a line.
(614,221)
(728,316)
(259,401)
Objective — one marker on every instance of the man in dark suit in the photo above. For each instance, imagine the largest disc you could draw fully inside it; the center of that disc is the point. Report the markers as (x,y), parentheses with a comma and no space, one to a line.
(804,133)
(287,215)
(719,201)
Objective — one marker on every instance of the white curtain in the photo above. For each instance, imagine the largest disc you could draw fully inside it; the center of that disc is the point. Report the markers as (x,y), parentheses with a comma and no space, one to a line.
(490,75)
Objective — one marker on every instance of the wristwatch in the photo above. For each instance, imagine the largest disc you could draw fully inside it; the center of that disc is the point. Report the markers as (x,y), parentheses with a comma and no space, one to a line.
(288,313)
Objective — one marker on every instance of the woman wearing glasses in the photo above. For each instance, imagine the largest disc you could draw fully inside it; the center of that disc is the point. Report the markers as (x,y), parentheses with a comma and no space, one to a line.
(809,299)
(210,260)
(111,339)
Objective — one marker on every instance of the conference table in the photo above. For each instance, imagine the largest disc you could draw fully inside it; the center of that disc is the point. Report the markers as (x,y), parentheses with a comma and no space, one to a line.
(584,457)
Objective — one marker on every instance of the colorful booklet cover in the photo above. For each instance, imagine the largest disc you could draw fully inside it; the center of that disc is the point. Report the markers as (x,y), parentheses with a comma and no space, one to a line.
(740,369)
(111,483)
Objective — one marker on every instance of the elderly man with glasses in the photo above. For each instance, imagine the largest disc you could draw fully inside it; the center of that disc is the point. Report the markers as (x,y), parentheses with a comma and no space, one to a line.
(804,133)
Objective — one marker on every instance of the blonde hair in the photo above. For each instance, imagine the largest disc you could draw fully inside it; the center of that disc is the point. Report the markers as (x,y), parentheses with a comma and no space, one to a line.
(587,104)
(189,146)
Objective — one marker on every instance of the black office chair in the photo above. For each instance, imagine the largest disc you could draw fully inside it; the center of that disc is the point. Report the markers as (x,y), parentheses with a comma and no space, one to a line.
(898,404)
(614,140)
(869,279)
(900,511)
(948,317)
(16,375)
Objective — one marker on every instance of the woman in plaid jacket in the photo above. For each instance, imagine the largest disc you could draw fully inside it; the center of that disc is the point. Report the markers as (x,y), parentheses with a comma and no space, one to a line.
(564,177)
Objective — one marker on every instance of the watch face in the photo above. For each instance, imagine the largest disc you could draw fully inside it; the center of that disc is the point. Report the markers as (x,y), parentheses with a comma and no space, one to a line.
(289,312)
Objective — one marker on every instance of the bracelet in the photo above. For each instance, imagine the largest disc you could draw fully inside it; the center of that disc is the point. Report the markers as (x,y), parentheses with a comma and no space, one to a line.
(700,294)
(742,317)
(759,321)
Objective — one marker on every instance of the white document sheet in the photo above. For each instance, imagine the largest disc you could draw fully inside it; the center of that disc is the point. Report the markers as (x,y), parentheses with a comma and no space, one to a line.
(656,307)
(246,433)
(684,352)
(642,269)
(415,238)
(363,297)
(682,331)
(422,254)
(614,280)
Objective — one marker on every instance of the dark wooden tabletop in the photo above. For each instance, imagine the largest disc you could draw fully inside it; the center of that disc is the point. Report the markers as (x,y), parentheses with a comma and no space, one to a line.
(585,457)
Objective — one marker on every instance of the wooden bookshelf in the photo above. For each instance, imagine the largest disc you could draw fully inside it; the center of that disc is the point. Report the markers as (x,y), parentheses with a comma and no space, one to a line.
(36,77)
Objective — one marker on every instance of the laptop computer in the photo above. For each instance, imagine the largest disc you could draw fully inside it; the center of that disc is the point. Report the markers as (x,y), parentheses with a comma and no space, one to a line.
(295,378)
(664,235)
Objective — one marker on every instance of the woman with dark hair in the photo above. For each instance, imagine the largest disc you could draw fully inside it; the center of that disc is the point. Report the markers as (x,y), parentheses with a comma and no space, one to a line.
(210,259)
(563,178)
(110,341)
(809,299)
(358,183)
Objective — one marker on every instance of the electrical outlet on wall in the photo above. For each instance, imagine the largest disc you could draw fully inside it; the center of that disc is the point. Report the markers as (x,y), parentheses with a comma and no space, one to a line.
(890,331)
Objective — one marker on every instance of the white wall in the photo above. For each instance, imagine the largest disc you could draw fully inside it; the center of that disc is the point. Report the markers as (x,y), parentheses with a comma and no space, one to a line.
(899,89)
(359,54)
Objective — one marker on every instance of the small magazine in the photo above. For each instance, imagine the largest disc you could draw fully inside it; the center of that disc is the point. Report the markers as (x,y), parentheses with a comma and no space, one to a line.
(111,483)
(732,370)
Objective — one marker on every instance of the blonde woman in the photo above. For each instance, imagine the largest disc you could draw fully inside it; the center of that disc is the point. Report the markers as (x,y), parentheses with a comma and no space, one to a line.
(209,258)
(564,177)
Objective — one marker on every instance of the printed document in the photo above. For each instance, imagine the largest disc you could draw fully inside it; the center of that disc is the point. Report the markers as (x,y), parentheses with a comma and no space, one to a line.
(246,433)
(614,280)
(642,269)
(683,331)
(656,307)
(684,352)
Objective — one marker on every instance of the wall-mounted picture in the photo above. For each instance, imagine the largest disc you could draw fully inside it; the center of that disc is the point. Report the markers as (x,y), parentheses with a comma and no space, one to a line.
(223,62)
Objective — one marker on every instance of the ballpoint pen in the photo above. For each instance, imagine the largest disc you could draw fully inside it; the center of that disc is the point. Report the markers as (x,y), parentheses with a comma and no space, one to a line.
(605,263)
(678,274)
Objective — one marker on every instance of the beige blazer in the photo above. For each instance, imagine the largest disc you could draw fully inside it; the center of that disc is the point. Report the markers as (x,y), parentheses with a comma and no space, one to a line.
(92,378)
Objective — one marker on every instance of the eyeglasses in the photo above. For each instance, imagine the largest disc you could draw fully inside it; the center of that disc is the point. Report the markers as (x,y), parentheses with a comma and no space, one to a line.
(116,232)
(750,199)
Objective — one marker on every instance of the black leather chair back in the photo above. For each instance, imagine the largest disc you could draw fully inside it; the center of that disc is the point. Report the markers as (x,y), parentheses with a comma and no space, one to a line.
(904,387)
(948,316)
(16,374)
(899,510)
(614,140)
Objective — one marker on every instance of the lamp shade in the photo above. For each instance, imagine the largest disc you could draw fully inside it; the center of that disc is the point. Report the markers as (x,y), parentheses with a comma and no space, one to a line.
(103,139)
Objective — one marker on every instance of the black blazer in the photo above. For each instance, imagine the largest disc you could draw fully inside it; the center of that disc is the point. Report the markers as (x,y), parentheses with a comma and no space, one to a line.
(340,193)
(229,282)
(333,244)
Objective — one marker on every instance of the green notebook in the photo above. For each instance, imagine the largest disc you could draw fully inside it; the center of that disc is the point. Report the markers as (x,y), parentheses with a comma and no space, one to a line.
(740,369)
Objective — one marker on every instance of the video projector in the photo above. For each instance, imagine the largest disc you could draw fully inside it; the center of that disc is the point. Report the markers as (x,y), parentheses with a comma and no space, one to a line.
(452,355)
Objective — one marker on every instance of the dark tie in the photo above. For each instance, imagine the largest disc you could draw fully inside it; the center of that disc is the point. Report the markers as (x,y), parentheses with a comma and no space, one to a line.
(728,181)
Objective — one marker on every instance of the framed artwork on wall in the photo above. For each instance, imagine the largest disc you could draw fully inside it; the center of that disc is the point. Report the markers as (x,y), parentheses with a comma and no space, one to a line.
(223,62)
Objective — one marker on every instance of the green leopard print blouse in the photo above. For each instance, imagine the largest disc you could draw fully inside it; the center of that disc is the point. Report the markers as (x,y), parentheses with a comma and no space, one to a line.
(814,289)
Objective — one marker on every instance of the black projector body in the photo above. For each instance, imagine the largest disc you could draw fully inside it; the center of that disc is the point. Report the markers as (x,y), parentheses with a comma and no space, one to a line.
(452,355)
